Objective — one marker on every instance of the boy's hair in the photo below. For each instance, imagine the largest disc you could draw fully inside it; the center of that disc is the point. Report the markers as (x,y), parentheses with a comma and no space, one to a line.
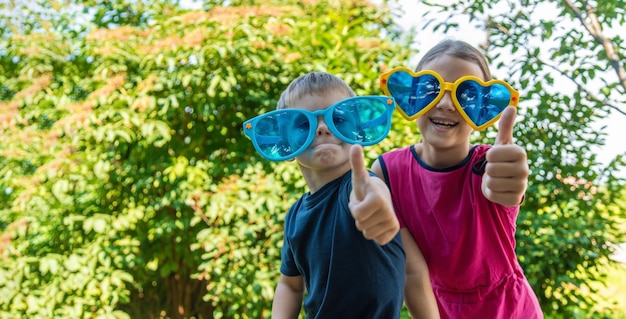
(458,49)
(314,83)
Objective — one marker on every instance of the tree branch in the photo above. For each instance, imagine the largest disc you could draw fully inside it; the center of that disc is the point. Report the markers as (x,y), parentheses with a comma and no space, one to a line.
(595,30)
(580,87)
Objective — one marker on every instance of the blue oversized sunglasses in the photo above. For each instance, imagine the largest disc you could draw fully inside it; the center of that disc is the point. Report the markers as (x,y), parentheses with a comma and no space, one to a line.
(284,134)
(479,103)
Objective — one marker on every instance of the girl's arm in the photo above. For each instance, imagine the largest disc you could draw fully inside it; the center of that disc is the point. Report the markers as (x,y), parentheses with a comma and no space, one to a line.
(418,292)
(288,297)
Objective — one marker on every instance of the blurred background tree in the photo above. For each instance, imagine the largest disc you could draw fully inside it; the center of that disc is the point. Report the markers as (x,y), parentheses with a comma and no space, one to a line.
(127,189)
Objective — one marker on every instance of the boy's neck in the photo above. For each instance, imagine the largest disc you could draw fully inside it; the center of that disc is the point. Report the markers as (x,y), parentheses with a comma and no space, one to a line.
(316,179)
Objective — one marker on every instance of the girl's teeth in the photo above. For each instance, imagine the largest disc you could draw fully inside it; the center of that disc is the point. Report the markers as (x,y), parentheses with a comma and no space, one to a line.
(444,123)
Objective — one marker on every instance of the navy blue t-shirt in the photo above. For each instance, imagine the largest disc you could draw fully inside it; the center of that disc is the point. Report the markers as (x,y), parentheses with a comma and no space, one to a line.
(346,275)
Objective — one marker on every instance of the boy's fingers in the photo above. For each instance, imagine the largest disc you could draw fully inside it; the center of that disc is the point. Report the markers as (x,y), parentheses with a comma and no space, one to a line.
(360,175)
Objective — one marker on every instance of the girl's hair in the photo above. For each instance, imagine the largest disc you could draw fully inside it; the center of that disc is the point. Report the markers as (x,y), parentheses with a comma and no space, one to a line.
(458,49)
(314,83)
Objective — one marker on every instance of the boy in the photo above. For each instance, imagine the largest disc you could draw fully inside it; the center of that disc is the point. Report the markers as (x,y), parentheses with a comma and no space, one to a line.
(341,241)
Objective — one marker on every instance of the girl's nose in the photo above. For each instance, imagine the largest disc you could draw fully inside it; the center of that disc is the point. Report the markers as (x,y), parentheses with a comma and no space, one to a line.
(446,103)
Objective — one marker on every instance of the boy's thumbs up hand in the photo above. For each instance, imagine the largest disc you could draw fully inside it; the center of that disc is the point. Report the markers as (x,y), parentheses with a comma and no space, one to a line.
(370,202)
(360,175)
(506,172)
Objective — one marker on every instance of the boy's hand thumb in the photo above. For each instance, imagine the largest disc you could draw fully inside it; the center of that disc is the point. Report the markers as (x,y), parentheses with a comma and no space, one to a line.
(360,175)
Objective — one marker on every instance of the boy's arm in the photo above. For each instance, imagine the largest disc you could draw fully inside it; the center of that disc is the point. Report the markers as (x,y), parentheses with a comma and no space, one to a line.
(288,297)
(418,292)
(506,173)
(370,202)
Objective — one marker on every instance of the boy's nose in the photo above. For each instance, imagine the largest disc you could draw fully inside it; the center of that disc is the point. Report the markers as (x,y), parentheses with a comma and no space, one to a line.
(322,128)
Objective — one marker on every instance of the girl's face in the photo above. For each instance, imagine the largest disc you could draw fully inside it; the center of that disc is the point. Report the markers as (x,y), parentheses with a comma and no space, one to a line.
(442,127)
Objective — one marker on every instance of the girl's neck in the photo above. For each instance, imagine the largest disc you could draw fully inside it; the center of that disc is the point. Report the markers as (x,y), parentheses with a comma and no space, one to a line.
(442,157)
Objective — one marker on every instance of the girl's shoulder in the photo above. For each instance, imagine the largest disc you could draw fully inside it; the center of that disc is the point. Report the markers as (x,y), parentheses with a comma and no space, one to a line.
(480,150)
(398,157)
(399,152)
(478,158)
(483,147)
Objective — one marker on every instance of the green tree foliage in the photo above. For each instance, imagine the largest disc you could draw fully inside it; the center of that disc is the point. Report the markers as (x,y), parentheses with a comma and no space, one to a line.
(567,58)
(127,189)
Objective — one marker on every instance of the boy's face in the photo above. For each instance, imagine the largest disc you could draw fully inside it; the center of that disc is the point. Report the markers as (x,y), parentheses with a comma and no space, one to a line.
(327,151)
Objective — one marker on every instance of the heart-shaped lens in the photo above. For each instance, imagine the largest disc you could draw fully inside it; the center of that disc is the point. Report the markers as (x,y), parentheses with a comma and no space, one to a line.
(413,94)
(482,103)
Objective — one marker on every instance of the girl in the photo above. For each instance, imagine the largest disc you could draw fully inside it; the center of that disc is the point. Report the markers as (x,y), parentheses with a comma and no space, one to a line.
(457,203)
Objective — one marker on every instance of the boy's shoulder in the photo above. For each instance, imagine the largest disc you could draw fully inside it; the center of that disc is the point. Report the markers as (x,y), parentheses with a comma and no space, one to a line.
(343,182)
(331,192)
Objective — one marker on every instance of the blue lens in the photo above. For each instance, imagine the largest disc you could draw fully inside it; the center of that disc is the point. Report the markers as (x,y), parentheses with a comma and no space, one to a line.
(482,104)
(426,88)
(279,134)
(470,97)
(499,96)
(413,94)
(269,138)
(284,134)
(362,121)
(345,118)
(297,129)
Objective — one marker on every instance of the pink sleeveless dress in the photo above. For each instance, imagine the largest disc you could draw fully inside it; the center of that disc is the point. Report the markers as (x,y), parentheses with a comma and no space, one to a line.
(468,241)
